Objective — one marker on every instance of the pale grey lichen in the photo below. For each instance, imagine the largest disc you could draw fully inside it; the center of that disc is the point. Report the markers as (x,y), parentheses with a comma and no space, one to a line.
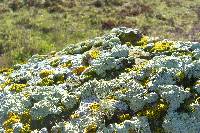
(136,124)
(44,108)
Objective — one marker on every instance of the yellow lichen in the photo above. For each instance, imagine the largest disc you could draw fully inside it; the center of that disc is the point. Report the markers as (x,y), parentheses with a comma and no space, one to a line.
(185,53)
(162,46)
(197,82)
(17,87)
(55,62)
(92,128)
(79,70)
(26,128)
(95,53)
(94,107)
(6,70)
(154,112)
(24,118)
(197,100)
(124,90)
(75,115)
(67,64)
(139,66)
(145,82)
(46,82)
(111,97)
(3,85)
(45,73)
(180,75)
(27,95)
(143,41)
(124,117)
(12,119)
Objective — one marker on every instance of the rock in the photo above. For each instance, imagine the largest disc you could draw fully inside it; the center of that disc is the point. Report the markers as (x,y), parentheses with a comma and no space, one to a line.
(120,82)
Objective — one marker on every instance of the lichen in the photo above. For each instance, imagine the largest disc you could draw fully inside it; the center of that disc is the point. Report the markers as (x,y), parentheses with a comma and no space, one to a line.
(162,46)
(17,87)
(45,73)
(121,82)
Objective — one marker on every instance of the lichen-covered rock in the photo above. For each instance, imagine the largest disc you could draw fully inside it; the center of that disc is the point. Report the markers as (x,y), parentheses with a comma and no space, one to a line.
(121,82)
(135,124)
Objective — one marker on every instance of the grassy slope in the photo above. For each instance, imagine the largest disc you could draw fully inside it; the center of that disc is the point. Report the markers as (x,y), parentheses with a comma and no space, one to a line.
(30,30)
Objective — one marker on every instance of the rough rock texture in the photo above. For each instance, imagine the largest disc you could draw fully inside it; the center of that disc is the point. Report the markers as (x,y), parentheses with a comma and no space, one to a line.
(121,82)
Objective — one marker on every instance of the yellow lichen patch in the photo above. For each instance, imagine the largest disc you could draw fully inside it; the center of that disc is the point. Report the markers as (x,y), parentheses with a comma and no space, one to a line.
(162,46)
(45,73)
(139,67)
(95,53)
(180,75)
(110,97)
(94,107)
(143,41)
(46,82)
(197,82)
(17,87)
(154,112)
(27,95)
(7,82)
(124,90)
(12,119)
(75,115)
(92,128)
(124,117)
(79,70)
(26,117)
(185,53)
(197,100)
(121,90)
(144,82)
(55,62)
(6,70)
(26,128)
(67,64)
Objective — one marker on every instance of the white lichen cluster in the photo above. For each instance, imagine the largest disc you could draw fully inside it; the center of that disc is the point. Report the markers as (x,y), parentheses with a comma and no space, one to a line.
(121,82)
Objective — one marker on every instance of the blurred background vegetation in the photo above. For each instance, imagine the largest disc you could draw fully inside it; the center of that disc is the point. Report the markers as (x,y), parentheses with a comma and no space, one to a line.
(28,27)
